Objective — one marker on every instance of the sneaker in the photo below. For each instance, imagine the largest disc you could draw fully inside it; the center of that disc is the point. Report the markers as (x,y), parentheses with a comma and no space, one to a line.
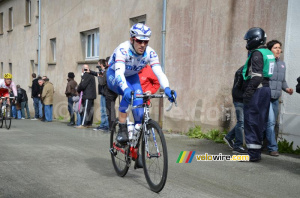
(23,118)
(239,150)
(274,153)
(34,119)
(80,127)
(255,159)
(229,142)
(122,136)
(98,128)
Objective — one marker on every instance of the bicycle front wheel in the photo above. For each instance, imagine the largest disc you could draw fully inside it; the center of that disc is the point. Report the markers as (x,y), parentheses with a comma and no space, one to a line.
(155,156)
(7,117)
(119,155)
(1,118)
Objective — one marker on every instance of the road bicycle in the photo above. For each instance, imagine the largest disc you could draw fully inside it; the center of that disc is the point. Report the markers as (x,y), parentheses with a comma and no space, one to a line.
(154,148)
(5,113)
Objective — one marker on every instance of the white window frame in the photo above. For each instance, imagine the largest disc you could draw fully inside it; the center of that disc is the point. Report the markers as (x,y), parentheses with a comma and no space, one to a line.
(94,44)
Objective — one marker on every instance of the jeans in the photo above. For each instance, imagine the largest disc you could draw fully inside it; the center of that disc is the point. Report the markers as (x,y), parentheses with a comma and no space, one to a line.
(70,106)
(48,113)
(23,106)
(237,131)
(270,131)
(13,111)
(36,105)
(41,109)
(78,119)
(104,120)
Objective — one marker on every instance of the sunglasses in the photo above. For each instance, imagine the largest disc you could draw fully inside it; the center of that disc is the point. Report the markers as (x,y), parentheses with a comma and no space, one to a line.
(141,41)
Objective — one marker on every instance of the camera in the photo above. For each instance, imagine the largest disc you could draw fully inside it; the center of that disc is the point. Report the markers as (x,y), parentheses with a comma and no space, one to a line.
(100,70)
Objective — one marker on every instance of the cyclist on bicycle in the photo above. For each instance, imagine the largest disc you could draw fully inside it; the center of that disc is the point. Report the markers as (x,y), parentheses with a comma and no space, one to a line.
(122,75)
(7,84)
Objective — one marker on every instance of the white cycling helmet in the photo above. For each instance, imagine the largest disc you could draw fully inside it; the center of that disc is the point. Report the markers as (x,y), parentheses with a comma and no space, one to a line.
(140,31)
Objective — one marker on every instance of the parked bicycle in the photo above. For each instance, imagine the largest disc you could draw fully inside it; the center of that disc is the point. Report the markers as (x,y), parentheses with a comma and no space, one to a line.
(5,113)
(154,148)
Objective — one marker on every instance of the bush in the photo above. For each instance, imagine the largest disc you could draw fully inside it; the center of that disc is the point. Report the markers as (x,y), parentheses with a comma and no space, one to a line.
(213,134)
(286,147)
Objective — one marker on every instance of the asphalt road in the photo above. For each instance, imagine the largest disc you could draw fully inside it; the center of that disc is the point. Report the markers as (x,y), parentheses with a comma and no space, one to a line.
(53,160)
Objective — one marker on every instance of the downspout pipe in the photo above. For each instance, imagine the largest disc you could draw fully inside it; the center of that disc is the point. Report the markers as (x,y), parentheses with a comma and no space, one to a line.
(163,41)
(39,45)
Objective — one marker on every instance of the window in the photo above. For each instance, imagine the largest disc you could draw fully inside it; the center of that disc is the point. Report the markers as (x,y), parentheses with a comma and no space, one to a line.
(10,68)
(1,23)
(1,74)
(10,19)
(53,49)
(28,11)
(138,19)
(37,13)
(91,44)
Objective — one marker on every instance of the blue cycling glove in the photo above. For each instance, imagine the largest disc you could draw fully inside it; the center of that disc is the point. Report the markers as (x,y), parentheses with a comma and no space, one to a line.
(168,93)
(127,95)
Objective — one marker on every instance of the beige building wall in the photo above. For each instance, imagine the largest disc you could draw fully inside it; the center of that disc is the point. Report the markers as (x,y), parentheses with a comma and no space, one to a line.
(204,47)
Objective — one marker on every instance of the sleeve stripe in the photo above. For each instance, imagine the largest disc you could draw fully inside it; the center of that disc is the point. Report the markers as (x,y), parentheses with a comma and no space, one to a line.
(154,64)
(120,61)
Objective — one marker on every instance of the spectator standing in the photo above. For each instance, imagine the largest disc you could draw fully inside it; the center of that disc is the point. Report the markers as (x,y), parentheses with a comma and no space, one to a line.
(35,88)
(298,85)
(277,83)
(256,98)
(237,131)
(88,86)
(13,105)
(41,108)
(70,92)
(47,97)
(23,100)
(101,91)
(77,109)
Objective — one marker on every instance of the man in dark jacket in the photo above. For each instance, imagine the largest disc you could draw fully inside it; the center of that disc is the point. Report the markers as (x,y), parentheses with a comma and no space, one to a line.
(256,98)
(70,92)
(88,87)
(298,86)
(237,131)
(35,90)
(101,89)
(23,100)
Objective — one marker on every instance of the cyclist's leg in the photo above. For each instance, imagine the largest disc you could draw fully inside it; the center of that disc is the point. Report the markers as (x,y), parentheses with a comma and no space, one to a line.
(135,85)
(122,136)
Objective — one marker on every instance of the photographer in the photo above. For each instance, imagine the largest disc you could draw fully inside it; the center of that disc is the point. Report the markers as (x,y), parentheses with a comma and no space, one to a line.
(88,87)
(101,91)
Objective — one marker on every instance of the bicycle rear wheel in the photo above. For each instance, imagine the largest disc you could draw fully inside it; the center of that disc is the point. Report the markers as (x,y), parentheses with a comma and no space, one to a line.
(119,155)
(155,156)
(7,117)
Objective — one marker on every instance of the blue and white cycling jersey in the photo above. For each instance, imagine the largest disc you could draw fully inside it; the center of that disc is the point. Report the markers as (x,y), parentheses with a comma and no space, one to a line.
(125,62)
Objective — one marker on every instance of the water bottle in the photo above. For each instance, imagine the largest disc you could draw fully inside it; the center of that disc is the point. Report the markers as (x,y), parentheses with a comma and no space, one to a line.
(130,128)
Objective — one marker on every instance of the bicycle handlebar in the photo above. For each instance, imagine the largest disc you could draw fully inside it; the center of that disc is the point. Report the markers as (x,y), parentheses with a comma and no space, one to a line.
(149,96)
(7,97)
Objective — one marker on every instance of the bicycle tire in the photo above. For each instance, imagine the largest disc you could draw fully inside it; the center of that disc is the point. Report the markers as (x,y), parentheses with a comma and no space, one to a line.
(7,117)
(1,119)
(120,160)
(154,132)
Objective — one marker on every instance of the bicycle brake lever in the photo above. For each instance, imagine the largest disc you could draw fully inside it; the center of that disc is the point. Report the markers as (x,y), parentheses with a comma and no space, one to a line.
(169,107)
